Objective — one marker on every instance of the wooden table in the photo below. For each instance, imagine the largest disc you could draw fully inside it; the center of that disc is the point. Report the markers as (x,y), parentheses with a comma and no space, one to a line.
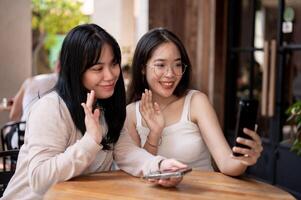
(195,185)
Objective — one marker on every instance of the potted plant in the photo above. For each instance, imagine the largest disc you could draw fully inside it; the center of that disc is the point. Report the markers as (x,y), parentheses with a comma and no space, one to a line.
(288,153)
(294,113)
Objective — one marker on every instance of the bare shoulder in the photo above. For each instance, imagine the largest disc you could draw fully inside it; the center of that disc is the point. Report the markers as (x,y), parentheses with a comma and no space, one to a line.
(130,112)
(199,98)
(200,106)
(130,108)
(131,122)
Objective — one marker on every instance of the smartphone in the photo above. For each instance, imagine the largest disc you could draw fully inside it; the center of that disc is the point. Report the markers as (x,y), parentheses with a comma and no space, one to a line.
(167,174)
(246,118)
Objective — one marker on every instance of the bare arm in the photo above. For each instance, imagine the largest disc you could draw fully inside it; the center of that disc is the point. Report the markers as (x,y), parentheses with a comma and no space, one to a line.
(203,114)
(154,119)
(16,109)
(131,124)
(152,115)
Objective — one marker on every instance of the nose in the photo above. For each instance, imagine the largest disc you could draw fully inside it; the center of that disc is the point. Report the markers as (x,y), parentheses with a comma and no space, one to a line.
(108,74)
(169,72)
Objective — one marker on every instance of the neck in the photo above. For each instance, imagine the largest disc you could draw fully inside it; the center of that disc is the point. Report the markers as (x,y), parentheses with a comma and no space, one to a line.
(164,102)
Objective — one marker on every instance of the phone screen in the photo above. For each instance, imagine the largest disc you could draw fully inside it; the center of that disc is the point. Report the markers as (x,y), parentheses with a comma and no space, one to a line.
(167,174)
(246,118)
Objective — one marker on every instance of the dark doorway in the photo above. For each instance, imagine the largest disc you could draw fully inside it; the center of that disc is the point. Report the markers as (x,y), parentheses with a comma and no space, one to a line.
(264,62)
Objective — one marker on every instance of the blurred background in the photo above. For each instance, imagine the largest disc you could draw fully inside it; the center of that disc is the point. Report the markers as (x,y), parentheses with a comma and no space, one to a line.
(238,49)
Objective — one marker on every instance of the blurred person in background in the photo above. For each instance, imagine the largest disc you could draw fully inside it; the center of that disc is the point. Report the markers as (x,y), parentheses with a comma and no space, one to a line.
(30,91)
(126,71)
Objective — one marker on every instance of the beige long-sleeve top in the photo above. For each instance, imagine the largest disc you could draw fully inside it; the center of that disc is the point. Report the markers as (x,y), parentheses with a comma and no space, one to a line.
(133,159)
(55,151)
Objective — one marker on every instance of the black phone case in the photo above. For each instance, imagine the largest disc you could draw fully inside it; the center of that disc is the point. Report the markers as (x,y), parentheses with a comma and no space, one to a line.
(246,118)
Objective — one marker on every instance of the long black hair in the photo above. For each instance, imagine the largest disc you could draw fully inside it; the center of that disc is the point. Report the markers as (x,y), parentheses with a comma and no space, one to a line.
(81,50)
(143,52)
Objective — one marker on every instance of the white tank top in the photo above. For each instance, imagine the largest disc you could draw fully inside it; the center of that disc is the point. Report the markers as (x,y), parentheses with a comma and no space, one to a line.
(181,140)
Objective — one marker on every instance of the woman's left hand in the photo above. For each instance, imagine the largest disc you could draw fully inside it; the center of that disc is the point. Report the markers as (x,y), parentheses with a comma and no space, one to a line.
(93,126)
(151,113)
(169,165)
(252,153)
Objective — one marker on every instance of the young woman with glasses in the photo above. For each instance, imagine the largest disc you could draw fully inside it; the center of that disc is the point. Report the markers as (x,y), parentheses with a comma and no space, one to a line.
(167,118)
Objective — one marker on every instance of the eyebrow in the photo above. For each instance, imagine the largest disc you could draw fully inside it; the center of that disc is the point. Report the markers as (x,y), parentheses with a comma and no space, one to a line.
(99,63)
(161,59)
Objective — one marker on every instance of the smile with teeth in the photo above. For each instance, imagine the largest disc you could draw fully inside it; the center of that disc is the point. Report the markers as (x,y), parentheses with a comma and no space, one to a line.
(167,84)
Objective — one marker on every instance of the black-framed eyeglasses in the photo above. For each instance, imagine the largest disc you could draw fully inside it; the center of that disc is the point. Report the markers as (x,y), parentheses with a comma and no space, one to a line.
(160,69)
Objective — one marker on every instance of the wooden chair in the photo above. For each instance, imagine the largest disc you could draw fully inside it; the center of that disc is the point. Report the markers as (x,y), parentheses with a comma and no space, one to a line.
(8,172)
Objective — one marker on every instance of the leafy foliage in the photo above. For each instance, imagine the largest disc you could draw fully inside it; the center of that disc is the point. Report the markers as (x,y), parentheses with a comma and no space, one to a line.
(51,17)
(294,112)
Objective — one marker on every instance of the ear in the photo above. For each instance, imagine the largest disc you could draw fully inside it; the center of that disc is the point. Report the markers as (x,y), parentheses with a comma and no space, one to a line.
(143,72)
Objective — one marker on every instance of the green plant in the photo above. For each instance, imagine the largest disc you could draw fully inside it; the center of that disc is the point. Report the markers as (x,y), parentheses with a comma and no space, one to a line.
(294,113)
(52,17)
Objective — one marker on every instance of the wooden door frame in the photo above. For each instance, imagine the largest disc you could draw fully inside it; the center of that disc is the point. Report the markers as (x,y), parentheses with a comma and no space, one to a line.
(202,27)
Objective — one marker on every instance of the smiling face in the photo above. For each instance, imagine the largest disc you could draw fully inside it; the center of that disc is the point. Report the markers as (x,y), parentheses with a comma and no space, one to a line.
(166,56)
(102,77)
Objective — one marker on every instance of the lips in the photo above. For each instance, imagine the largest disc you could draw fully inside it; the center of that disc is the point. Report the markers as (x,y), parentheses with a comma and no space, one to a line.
(108,86)
(167,84)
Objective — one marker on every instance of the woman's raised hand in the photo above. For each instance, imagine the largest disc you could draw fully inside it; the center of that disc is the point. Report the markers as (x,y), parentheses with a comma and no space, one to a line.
(93,127)
(252,153)
(151,113)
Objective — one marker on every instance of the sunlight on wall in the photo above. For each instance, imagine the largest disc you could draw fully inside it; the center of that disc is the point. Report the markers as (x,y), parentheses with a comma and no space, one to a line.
(88,7)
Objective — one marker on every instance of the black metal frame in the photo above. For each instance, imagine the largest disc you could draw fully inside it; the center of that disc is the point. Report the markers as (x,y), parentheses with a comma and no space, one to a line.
(6,142)
(20,132)
(275,131)
(6,174)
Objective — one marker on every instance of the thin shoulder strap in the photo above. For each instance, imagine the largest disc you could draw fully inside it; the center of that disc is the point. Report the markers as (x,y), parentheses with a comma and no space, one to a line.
(138,115)
(186,108)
